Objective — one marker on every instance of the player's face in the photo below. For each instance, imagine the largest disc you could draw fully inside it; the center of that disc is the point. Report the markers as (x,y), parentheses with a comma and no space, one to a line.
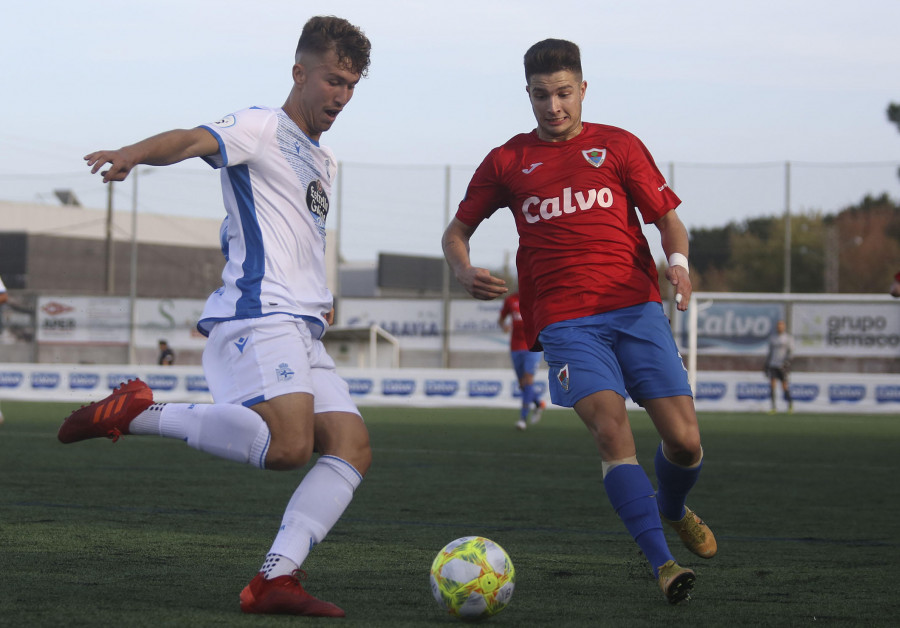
(322,88)
(556,102)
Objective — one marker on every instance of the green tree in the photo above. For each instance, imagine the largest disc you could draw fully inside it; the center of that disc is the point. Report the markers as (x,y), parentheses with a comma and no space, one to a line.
(893,114)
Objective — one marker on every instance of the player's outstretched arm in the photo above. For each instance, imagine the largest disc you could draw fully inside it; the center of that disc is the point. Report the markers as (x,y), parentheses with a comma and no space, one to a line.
(160,150)
(675,244)
(477,281)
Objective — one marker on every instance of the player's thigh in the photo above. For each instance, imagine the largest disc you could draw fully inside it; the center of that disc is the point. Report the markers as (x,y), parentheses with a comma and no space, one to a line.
(291,422)
(651,365)
(580,361)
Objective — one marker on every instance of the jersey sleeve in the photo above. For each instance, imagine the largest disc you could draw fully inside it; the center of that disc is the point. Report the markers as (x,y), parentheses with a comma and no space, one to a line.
(239,136)
(485,194)
(646,184)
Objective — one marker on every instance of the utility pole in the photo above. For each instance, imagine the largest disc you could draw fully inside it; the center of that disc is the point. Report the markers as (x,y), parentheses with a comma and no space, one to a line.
(787,227)
(110,265)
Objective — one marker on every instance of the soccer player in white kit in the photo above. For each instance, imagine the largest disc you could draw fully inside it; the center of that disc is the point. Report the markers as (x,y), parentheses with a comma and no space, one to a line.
(278,398)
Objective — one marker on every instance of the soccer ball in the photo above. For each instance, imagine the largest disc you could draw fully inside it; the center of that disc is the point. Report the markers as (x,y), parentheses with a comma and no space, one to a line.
(472,578)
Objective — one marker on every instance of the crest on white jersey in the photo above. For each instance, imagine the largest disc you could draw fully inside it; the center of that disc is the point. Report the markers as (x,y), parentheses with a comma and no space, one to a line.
(595,156)
(225,122)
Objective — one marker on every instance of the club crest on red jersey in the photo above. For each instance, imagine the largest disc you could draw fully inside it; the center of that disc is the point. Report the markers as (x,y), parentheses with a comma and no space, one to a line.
(563,377)
(595,156)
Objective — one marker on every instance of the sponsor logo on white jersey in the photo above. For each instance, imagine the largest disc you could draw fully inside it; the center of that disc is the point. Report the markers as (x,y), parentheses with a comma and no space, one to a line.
(536,209)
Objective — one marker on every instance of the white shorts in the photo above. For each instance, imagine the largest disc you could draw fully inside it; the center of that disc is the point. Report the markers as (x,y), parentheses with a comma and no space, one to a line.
(247,361)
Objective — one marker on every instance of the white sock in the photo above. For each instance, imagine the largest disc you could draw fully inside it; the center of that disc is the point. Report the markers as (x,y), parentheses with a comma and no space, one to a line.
(315,507)
(225,430)
(147,422)
(277,565)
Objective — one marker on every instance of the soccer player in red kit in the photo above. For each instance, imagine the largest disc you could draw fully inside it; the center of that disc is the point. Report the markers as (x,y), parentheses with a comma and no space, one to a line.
(524,361)
(590,295)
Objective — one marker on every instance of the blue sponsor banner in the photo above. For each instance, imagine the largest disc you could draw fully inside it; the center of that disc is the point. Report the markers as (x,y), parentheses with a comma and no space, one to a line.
(84,381)
(11,379)
(753,390)
(48,380)
(114,379)
(485,387)
(360,385)
(805,392)
(162,382)
(196,383)
(540,387)
(887,394)
(441,387)
(851,393)
(712,391)
(398,387)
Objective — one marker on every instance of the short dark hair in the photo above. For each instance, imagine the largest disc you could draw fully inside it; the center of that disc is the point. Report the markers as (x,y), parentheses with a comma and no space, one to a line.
(552,55)
(324,33)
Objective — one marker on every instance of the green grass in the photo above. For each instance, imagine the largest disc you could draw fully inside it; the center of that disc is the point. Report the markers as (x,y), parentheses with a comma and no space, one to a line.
(148,532)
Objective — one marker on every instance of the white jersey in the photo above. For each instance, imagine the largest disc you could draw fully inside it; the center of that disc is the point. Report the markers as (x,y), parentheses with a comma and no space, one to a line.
(2,287)
(276,184)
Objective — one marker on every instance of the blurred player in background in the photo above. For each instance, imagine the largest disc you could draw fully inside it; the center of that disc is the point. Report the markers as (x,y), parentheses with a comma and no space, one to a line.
(590,295)
(524,361)
(166,355)
(278,398)
(895,287)
(778,364)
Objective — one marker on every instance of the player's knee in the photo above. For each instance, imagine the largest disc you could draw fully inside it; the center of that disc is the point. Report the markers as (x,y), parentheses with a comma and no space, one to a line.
(288,456)
(685,450)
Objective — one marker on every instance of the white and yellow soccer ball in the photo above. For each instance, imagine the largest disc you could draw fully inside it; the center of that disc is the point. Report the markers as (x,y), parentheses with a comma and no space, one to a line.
(472,578)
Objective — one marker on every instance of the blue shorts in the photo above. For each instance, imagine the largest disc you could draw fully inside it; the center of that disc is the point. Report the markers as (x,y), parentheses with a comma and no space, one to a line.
(630,351)
(525,362)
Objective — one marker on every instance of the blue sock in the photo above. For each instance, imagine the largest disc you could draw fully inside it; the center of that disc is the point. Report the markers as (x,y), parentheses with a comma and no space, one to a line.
(631,495)
(527,397)
(674,482)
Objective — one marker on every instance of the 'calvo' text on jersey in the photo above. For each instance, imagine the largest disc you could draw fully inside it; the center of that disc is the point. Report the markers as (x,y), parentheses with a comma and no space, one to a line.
(535,209)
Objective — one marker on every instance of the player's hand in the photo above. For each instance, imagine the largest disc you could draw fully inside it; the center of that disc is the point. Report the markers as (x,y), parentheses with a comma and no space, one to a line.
(681,279)
(329,317)
(481,284)
(120,164)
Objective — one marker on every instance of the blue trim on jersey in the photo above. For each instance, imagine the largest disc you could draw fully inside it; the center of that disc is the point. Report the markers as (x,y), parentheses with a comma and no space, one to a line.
(205,325)
(219,160)
(248,305)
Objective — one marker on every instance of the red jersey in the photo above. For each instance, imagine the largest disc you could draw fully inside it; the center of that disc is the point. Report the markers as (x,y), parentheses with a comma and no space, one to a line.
(581,248)
(517,340)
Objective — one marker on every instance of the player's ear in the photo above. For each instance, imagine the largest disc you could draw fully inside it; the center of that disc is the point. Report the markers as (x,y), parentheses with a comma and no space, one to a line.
(299,74)
(583,89)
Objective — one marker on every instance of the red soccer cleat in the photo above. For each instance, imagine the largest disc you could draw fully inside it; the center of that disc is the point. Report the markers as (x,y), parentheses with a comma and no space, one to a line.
(284,595)
(110,417)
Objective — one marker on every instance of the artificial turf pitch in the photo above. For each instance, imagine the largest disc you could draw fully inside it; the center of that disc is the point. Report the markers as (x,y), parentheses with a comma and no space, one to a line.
(148,532)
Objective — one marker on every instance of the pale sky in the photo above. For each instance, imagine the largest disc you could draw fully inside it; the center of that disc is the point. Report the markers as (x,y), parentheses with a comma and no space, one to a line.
(728,91)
